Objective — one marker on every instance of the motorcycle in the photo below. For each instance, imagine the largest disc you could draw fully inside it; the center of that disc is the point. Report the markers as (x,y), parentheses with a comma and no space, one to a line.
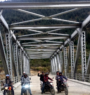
(25,88)
(7,89)
(49,88)
(63,87)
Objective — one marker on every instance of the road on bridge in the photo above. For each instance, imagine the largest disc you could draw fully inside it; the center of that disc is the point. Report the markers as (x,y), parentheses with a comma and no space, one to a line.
(74,88)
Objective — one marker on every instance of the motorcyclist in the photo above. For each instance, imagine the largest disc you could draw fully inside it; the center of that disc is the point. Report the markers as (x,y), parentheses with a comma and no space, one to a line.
(41,76)
(61,80)
(46,81)
(9,83)
(22,78)
(26,80)
(57,75)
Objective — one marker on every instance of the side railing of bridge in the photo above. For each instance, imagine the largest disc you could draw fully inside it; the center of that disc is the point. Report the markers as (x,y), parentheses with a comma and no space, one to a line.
(79,77)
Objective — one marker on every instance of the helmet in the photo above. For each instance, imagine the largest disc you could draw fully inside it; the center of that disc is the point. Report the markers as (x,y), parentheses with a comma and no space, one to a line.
(60,73)
(57,71)
(46,73)
(7,75)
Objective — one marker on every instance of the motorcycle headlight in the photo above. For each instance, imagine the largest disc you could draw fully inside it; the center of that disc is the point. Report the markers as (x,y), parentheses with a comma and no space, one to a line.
(51,83)
(26,86)
(6,88)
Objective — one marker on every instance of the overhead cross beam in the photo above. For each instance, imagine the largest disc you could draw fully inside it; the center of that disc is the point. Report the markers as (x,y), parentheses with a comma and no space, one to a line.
(25,27)
(45,17)
(45,5)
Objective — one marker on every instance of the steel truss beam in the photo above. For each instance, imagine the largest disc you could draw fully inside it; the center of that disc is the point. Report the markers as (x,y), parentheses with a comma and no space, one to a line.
(20,61)
(40,49)
(24,27)
(44,5)
(65,60)
(16,58)
(37,38)
(71,45)
(83,53)
(8,53)
(61,60)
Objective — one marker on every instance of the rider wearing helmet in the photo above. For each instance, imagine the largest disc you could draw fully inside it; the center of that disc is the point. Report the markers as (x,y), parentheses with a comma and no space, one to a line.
(57,75)
(26,80)
(9,83)
(45,81)
(61,79)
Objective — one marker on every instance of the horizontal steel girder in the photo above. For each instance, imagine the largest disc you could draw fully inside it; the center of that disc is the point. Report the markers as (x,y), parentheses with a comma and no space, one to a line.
(33,38)
(25,27)
(44,5)
(39,44)
(40,49)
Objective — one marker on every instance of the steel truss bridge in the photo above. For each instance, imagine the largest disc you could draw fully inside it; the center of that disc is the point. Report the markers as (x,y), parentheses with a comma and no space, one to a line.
(16,55)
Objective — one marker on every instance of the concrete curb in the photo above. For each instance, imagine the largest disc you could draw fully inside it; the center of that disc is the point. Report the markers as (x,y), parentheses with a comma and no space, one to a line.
(80,82)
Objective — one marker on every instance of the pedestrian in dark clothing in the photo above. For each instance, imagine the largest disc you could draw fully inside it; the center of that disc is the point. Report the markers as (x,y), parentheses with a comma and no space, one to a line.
(41,76)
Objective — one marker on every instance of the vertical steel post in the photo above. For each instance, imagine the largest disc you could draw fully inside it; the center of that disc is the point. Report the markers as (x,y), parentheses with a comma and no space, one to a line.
(83,54)
(61,60)
(72,58)
(56,63)
(8,54)
(51,66)
(65,61)
(59,64)
(16,58)
(20,60)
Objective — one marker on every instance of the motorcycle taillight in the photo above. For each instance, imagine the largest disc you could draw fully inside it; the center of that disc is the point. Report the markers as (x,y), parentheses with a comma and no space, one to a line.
(9,88)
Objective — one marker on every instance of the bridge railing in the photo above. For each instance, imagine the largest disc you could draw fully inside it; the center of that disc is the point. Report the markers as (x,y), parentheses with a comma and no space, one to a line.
(15,80)
(80,77)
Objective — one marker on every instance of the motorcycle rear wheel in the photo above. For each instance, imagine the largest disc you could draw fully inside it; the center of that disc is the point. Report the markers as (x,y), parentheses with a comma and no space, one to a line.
(66,90)
(52,91)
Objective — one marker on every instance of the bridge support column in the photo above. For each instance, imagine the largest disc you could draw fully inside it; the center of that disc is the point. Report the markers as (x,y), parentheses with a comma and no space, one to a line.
(65,61)
(9,54)
(83,54)
(61,60)
(72,58)
(58,61)
(20,61)
(53,65)
(16,59)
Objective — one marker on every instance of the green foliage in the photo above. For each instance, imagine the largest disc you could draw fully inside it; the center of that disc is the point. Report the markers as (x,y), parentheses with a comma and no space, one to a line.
(40,65)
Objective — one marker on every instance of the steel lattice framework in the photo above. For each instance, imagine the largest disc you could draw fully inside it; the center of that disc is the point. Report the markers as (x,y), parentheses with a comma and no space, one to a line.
(47,46)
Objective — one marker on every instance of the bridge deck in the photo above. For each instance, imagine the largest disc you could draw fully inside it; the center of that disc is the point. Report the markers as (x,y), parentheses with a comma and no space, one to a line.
(74,88)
